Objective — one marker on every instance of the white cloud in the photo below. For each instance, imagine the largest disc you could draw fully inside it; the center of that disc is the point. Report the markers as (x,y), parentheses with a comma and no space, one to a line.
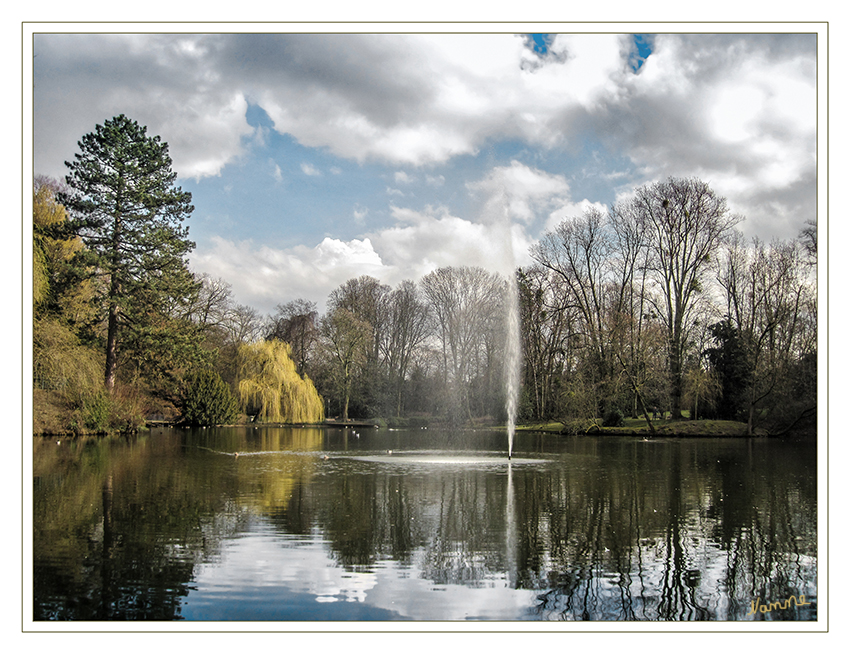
(360,214)
(262,276)
(420,241)
(277,173)
(155,79)
(737,110)
(427,240)
(310,169)
(440,95)
(571,210)
(518,192)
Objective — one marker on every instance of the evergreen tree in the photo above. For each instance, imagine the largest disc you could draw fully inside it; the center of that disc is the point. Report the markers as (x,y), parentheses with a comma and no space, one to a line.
(733,367)
(207,400)
(124,204)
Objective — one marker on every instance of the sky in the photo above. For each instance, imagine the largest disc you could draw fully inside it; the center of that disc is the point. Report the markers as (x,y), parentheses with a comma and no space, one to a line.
(315,158)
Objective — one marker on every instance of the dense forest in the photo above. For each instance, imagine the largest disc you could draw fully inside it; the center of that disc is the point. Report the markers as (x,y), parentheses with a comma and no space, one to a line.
(659,305)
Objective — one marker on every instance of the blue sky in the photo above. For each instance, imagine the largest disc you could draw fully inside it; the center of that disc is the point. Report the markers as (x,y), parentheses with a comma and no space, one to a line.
(313,158)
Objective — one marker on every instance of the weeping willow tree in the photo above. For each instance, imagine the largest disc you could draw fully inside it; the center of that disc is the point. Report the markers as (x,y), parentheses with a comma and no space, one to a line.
(268,382)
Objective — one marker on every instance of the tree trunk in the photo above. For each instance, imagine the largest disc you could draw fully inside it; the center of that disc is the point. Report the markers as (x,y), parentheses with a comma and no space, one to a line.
(676,380)
(111,349)
(637,395)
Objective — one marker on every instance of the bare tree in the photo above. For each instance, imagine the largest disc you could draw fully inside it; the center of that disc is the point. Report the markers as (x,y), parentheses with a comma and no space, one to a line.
(364,297)
(464,303)
(546,329)
(212,303)
(296,323)
(684,223)
(579,250)
(345,338)
(406,317)
(809,240)
(595,257)
(244,324)
(772,305)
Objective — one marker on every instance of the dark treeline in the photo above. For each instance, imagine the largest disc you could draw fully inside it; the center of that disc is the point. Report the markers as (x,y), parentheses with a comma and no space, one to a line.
(657,306)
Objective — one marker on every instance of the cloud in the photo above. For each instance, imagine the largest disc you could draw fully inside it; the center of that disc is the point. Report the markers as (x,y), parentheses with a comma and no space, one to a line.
(262,276)
(735,110)
(572,210)
(413,99)
(277,174)
(419,242)
(310,169)
(519,192)
(738,109)
(360,214)
(423,241)
(162,81)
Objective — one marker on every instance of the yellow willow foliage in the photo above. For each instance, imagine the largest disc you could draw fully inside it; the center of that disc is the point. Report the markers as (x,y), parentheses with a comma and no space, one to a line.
(268,380)
(46,212)
(60,362)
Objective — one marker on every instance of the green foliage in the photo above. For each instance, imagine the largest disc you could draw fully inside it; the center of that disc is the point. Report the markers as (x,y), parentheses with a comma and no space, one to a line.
(207,400)
(124,205)
(60,289)
(613,418)
(62,363)
(101,412)
(732,364)
(96,412)
(47,214)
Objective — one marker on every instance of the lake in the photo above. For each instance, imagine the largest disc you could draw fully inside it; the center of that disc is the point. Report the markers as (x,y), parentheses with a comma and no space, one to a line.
(315,524)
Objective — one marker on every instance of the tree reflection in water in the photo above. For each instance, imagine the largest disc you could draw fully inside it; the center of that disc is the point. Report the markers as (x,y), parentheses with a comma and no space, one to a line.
(593,529)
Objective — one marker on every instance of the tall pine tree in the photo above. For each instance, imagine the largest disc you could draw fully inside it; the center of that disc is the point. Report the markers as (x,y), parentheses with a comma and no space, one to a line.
(125,205)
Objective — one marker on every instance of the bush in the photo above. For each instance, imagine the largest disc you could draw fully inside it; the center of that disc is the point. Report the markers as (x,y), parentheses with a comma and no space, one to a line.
(613,418)
(96,412)
(207,400)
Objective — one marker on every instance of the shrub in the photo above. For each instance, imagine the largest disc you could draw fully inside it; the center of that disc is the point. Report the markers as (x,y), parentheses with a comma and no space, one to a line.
(95,412)
(207,400)
(613,418)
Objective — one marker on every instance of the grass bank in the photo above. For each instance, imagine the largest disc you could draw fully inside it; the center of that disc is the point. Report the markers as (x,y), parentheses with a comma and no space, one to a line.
(637,427)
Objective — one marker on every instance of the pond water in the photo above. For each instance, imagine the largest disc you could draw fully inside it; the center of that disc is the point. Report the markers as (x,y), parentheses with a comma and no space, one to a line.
(340,524)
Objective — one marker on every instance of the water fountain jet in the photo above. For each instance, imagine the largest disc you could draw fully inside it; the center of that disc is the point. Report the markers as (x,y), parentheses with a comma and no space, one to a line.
(512,358)
(498,213)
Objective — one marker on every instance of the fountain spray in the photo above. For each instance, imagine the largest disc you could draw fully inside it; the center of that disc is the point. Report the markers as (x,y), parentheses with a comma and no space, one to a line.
(512,358)
(498,213)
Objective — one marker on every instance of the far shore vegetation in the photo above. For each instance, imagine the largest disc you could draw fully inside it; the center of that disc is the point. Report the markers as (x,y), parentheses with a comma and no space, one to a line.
(655,318)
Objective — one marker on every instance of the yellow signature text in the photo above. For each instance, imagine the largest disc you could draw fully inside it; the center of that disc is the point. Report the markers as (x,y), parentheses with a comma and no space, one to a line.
(757,607)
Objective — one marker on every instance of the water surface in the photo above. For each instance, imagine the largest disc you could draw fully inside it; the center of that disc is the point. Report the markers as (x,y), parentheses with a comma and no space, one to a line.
(338,524)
